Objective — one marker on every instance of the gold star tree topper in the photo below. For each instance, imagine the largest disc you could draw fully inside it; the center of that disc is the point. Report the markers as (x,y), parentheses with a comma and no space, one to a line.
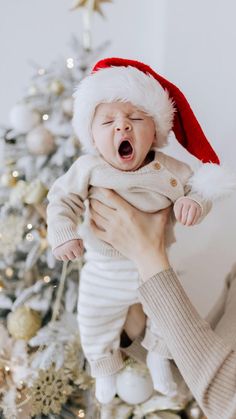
(96,5)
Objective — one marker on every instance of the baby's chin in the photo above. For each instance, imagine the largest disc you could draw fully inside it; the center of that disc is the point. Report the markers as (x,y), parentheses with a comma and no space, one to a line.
(125,165)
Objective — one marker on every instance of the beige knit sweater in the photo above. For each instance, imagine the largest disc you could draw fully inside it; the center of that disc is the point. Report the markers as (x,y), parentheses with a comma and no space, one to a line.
(151,188)
(206,359)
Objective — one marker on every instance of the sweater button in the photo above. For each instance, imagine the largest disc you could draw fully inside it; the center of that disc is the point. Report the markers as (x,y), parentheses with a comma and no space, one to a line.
(157,166)
(173,182)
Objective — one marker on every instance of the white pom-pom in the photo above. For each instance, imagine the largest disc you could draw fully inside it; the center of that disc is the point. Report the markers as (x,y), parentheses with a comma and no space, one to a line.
(23,118)
(213,182)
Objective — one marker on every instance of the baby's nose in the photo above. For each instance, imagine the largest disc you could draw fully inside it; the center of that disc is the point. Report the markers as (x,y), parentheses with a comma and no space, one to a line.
(123,125)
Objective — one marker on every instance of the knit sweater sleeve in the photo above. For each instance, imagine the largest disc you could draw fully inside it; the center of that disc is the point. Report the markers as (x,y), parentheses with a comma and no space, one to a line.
(183,172)
(66,203)
(206,362)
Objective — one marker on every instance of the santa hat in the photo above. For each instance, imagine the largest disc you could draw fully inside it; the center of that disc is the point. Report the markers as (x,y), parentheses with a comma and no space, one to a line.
(118,79)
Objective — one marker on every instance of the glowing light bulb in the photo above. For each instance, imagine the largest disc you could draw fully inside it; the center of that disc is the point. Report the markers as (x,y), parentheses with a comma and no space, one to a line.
(9,272)
(47,279)
(29,237)
(70,63)
(41,71)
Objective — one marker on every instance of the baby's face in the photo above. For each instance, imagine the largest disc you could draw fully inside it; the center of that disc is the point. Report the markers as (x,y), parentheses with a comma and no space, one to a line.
(122,134)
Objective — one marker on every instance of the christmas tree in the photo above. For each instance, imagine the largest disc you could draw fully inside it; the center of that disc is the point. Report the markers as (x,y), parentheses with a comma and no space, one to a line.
(43,372)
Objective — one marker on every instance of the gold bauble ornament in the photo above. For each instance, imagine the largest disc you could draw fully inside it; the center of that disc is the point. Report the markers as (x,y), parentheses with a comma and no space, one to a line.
(17,194)
(35,192)
(23,323)
(8,180)
(2,377)
(56,87)
(67,106)
(96,6)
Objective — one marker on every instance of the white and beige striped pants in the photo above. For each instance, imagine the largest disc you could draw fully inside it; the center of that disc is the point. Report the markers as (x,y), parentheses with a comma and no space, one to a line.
(108,286)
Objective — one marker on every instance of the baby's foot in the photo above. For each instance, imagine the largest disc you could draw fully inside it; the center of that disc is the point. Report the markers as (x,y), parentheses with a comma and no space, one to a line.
(105,388)
(161,374)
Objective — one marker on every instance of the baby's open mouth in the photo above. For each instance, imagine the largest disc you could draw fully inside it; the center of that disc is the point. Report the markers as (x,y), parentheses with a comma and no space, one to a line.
(125,150)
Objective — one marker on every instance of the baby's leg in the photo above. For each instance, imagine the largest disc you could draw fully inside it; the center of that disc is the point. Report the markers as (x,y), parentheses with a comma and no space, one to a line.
(158,361)
(104,298)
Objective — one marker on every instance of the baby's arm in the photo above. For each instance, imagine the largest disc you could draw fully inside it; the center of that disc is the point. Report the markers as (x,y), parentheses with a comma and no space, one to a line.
(70,250)
(191,208)
(64,211)
(187,211)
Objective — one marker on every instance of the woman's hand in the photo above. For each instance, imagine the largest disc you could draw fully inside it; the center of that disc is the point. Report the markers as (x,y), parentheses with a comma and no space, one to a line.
(139,236)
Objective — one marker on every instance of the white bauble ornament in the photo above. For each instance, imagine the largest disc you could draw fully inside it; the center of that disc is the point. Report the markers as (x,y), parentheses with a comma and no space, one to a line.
(194,412)
(67,106)
(134,384)
(164,415)
(40,141)
(23,118)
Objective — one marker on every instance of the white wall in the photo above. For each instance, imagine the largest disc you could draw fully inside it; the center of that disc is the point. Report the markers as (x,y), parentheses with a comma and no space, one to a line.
(200,59)
(192,44)
(39,31)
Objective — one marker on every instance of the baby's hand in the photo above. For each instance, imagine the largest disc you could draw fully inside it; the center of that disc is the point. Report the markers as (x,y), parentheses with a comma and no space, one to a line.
(187,211)
(70,250)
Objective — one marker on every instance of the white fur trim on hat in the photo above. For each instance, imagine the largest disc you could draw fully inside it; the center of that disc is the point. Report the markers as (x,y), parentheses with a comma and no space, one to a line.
(213,182)
(126,84)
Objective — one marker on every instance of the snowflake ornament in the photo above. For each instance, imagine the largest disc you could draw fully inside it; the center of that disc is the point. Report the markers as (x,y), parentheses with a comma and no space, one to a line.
(50,391)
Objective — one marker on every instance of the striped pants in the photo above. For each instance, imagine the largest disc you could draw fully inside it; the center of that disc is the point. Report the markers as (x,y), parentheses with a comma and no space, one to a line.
(108,286)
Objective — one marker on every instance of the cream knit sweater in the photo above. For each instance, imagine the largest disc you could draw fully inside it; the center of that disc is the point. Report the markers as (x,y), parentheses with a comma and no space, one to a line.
(150,188)
(206,359)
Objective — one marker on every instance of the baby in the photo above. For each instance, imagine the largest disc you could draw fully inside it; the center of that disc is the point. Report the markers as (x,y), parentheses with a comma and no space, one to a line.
(123,114)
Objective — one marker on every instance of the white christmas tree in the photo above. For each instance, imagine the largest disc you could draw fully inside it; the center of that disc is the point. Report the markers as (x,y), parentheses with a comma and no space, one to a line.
(43,372)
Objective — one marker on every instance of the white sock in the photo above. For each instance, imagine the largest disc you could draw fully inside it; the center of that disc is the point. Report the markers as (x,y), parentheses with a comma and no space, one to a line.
(105,388)
(161,374)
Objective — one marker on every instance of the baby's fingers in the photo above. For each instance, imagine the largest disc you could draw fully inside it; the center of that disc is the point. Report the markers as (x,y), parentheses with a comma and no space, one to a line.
(191,216)
(197,215)
(184,213)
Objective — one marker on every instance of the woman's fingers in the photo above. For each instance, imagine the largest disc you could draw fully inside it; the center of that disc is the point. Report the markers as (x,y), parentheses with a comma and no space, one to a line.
(102,209)
(115,201)
(100,234)
(99,220)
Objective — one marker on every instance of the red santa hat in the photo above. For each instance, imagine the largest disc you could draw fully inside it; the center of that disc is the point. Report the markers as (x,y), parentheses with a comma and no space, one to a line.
(118,79)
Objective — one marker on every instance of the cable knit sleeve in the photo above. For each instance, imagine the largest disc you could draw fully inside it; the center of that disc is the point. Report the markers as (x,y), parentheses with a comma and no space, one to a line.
(206,360)
(66,203)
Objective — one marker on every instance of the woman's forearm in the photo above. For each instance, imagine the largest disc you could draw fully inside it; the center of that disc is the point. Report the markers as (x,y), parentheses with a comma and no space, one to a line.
(206,363)
(152,260)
